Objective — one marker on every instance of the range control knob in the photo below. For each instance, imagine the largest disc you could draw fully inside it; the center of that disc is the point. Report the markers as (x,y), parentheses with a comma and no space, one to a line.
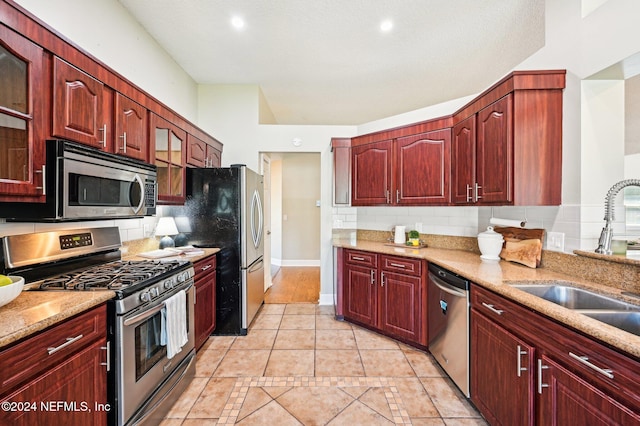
(145,296)
(183,277)
(154,292)
(168,284)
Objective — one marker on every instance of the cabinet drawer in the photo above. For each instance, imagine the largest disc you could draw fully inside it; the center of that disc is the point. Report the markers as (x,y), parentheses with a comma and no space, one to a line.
(507,314)
(39,353)
(362,258)
(403,265)
(205,266)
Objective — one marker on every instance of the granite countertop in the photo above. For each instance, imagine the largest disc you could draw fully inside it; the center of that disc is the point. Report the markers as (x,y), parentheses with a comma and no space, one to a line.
(496,276)
(34,311)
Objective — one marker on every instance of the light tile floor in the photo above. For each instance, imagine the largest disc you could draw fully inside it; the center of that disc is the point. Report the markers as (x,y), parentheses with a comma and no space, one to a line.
(299,366)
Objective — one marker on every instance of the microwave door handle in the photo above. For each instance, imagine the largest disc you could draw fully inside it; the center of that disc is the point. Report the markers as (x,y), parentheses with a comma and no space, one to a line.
(138,180)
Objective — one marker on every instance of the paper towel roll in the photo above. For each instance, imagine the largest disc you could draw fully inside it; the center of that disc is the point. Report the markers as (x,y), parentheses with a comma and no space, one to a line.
(506,222)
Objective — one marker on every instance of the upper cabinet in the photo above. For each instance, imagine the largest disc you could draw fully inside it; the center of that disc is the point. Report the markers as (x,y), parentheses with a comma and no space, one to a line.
(169,154)
(202,154)
(341,148)
(502,148)
(411,170)
(482,156)
(21,118)
(78,106)
(131,128)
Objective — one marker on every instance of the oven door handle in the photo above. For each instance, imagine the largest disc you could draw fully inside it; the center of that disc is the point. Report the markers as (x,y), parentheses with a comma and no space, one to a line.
(143,316)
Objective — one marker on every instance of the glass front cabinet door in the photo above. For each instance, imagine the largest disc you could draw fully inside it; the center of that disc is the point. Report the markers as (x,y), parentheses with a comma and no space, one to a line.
(22,147)
(169,144)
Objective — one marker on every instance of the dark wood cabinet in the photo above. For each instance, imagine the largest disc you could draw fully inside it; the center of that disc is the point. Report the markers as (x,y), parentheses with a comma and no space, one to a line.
(202,154)
(423,168)
(22,114)
(169,154)
(341,148)
(386,294)
(78,102)
(528,369)
(131,128)
(205,309)
(371,168)
(482,159)
(65,364)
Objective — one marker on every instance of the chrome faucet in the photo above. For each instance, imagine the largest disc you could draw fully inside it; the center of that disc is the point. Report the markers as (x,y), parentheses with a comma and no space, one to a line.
(604,244)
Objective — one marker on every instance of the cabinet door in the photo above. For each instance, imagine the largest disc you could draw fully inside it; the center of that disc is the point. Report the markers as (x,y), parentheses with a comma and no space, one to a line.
(567,399)
(214,156)
(423,168)
(131,138)
(77,105)
(463,161)
(400,303)
(196,152)
(371,167)
(501,373)
(205,309)
(360,295)
(169,153)
(494,155)
(22,118)
(341,148)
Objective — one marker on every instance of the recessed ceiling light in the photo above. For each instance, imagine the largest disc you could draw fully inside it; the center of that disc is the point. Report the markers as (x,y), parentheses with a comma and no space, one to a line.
(386,25)
(237,22)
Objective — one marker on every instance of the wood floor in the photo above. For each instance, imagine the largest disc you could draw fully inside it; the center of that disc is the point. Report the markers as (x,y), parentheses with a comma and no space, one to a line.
(294,284)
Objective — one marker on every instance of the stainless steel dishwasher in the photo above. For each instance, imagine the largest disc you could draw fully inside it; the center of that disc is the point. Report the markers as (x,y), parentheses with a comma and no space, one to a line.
(448,322)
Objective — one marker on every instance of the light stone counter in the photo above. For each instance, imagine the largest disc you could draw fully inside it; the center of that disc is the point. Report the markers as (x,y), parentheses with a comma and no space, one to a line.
(496,276)
(33,311)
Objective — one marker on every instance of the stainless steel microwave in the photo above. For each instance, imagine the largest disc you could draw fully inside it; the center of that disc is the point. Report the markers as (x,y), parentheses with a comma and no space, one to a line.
(83,183)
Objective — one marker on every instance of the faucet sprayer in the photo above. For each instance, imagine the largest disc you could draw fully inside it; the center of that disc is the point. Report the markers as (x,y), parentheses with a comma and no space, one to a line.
(604,244)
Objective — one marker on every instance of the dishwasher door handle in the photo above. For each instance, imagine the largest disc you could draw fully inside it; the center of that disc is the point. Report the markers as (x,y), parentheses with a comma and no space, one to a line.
(446,287)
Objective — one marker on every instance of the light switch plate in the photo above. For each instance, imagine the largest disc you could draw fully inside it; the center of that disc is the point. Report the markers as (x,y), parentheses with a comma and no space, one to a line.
(555,241)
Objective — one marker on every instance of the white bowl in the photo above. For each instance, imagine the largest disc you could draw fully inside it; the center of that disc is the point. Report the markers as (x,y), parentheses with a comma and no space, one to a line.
(11,291)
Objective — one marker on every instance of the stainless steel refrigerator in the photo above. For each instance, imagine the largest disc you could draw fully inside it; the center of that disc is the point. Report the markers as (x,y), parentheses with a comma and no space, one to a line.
(225,210)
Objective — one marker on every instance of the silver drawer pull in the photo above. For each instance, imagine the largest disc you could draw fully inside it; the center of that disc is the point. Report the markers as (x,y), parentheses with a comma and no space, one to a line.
(205,267)
(108,355)
(69,341)
(397,265)
(540,384)
(357,258)
(492,308)
(585,360)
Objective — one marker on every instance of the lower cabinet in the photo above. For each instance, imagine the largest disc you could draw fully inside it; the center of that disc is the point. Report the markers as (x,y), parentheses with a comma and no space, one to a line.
(58,376)
(205,309)
(528,369)
(387,294)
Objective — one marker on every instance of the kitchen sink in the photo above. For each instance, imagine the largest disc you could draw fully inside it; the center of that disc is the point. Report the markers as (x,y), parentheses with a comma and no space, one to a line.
(575,298)
(624,320)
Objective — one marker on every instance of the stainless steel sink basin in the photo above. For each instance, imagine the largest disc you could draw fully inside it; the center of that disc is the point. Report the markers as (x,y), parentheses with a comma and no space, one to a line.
(624,320)
(575,298)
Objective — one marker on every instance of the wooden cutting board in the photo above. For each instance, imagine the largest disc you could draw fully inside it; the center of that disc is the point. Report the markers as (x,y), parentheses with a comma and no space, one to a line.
(521,245)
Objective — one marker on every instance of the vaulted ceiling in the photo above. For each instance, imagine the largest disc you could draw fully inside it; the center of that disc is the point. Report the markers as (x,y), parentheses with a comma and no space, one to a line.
(329,61)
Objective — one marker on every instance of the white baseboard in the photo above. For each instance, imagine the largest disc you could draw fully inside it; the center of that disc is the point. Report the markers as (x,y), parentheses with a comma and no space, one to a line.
(301,262)
(326,299)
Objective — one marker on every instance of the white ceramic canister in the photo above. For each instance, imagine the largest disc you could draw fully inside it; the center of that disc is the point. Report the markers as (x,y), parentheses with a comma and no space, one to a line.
(399,236)
(490,244)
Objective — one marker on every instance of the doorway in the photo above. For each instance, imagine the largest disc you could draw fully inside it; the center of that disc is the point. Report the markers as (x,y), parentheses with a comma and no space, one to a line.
(294,226)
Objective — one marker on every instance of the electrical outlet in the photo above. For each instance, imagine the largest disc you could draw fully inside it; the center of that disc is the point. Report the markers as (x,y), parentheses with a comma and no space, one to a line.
(419,227)
(555,241)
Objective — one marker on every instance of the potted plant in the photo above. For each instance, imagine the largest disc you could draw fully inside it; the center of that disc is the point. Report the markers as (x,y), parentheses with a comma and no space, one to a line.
(414,238)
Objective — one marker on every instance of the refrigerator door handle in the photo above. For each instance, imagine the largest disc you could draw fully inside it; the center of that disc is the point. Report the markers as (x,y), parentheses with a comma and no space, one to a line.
(256,265)
(256,206)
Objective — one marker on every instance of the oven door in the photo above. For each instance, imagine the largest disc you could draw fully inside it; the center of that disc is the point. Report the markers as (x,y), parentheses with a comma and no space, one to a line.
(141,362)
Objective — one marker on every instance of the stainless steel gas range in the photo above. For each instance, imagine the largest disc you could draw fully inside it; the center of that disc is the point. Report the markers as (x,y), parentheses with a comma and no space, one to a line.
(152,297)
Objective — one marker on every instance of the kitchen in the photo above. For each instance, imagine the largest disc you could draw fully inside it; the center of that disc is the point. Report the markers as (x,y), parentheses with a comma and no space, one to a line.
(580,215)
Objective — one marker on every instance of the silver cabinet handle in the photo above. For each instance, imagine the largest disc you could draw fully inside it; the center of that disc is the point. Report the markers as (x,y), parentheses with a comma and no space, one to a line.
(381,279)
(388,197)
(519,363)
(469,195)
(69,341)
(397,265)
(540,384)
(44,180)
(205,267)
(492,308)
(357,258)
(108,355)
(373,277)
(124,142)
(477,192)
(397,196)
(103,130)
(585,360)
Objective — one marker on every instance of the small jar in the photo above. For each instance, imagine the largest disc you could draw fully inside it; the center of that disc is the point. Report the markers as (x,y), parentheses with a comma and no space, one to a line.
(490,244)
